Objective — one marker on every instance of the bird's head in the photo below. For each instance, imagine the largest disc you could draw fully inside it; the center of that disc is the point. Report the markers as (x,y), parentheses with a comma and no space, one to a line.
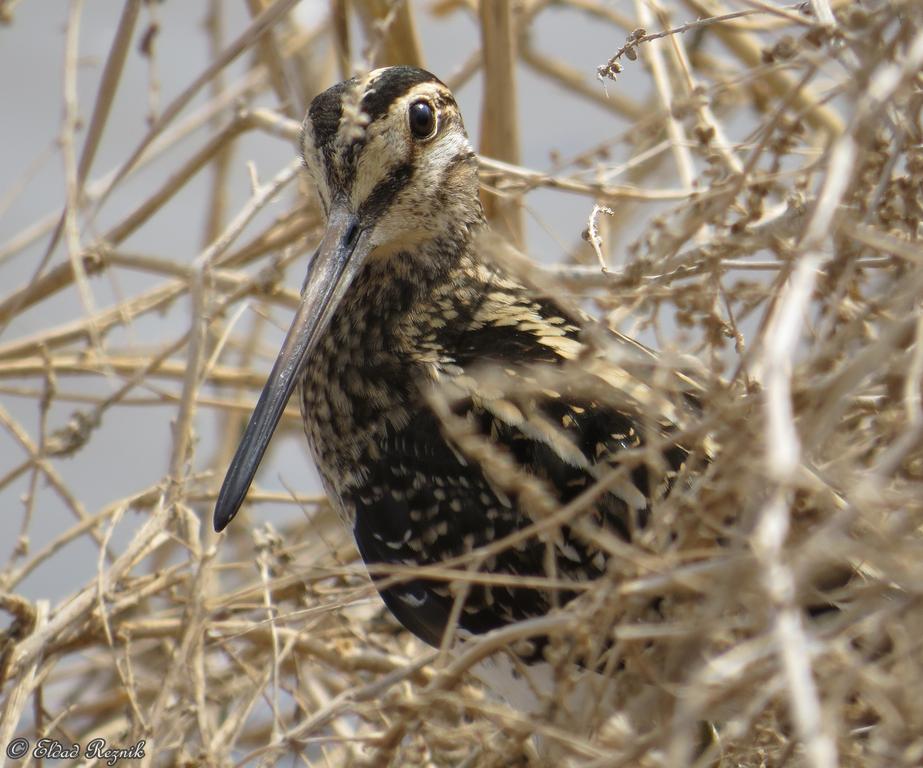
(396,176)
(388,152)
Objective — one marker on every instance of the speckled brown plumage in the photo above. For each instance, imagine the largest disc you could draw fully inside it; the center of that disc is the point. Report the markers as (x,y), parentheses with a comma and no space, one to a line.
(399,305)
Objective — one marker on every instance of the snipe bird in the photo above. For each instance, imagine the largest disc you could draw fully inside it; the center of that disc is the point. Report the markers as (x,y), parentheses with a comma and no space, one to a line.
(400,302)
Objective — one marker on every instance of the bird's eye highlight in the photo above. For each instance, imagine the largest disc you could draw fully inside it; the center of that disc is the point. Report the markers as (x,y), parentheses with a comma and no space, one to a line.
(422,119)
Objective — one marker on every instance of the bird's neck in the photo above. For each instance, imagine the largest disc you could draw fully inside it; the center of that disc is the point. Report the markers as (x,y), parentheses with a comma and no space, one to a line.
(392,290)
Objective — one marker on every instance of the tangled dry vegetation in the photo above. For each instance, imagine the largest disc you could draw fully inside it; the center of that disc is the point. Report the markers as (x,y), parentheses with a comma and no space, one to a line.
(774,157)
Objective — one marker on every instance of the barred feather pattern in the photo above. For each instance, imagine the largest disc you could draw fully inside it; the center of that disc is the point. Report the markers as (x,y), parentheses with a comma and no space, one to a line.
(429,334)
(409,491)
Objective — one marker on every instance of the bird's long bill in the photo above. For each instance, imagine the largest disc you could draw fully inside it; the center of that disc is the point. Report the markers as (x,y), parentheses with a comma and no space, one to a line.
(339,257)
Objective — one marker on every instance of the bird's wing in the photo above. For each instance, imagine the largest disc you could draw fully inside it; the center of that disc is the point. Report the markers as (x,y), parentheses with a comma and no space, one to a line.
(421,505)
(438,493)
(515,422)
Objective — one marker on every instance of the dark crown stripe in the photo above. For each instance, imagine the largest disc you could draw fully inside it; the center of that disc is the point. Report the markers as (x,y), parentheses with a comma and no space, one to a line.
(324,113)
(390,86)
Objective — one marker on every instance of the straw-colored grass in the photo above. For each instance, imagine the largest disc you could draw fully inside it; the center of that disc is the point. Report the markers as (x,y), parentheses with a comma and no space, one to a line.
(757,212)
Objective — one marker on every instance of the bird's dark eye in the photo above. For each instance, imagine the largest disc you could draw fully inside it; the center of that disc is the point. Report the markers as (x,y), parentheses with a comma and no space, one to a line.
(422,119)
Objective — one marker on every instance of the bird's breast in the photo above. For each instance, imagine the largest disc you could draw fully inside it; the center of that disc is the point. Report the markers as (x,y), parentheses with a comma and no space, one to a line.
(362,384)
(364,379)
